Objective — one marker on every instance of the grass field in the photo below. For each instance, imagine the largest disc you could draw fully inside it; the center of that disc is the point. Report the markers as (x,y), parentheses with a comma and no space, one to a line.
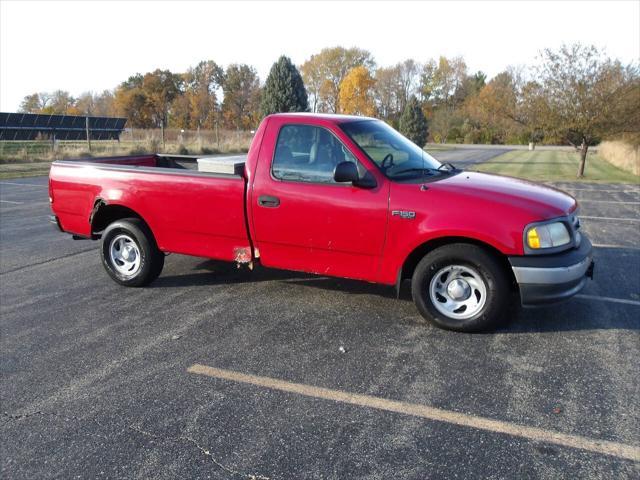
(438,147)
(555,166)
(17,170)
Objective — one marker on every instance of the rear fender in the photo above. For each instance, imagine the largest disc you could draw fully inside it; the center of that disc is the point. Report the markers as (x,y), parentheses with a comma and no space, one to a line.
(104,213)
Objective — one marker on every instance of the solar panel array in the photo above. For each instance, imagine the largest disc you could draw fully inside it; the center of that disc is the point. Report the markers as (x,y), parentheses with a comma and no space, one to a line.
(35,126)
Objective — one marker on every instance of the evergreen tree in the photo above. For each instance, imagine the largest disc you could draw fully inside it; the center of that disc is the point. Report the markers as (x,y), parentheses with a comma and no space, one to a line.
(284,89)
(413,123)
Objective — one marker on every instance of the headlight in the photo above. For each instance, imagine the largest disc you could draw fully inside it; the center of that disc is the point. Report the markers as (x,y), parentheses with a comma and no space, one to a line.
(547,236)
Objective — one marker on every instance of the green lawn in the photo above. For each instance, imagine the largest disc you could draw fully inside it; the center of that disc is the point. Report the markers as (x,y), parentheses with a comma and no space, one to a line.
(30,169)
(438,147)
(554,166)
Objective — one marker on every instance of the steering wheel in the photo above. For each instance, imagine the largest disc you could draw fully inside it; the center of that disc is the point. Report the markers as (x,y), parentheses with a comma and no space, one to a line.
(388,158)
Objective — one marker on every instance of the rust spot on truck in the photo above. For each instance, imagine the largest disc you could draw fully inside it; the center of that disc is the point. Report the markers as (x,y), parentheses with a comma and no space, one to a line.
(242,255)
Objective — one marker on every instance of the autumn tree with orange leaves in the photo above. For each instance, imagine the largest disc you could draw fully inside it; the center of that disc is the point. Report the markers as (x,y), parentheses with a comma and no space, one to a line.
(324,72)
(356,93)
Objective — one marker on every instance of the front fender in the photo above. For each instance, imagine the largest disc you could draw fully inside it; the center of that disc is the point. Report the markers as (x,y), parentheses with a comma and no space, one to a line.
(410,238)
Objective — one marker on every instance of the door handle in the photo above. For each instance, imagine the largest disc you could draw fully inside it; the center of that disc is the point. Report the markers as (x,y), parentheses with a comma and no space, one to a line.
(268,201)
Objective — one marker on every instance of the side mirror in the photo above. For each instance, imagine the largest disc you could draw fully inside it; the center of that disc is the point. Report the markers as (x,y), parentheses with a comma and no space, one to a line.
(346,172)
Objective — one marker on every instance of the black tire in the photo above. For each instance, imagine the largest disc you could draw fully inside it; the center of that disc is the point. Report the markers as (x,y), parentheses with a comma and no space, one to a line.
(467,262)
(138,237)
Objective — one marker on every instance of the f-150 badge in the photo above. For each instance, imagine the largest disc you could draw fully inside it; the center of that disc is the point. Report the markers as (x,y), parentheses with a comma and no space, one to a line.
(406,214)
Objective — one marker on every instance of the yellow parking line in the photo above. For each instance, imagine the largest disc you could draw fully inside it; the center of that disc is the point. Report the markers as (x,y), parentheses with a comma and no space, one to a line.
(620,450)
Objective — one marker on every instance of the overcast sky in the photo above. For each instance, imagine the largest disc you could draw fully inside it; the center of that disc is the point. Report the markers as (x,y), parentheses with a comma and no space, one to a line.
(90,45)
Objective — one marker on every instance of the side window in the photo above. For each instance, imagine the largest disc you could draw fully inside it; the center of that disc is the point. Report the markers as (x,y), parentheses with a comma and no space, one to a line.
(305,153)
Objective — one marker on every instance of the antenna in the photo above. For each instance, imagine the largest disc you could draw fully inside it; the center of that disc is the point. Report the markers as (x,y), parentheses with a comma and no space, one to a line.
(423,168)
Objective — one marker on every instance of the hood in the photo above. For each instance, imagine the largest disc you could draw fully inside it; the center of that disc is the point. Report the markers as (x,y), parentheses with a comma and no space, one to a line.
(539,201)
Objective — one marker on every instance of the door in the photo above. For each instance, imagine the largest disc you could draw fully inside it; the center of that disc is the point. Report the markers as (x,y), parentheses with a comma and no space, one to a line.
(304,220)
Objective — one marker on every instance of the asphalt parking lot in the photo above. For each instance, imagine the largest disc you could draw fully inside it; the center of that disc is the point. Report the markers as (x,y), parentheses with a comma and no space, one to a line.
(219,373)
(465,157)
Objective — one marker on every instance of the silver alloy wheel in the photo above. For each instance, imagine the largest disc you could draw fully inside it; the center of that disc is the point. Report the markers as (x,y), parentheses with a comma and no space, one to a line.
(125,255)
(458,292)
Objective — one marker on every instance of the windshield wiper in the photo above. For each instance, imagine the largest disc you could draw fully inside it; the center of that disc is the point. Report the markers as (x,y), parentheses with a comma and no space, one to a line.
(422,170)
(450,168)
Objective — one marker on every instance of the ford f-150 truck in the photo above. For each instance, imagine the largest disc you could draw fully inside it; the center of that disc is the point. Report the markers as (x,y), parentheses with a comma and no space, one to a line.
(341,196)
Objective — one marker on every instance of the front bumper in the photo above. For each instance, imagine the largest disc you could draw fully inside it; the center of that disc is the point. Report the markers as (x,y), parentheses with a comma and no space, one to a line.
(552,278)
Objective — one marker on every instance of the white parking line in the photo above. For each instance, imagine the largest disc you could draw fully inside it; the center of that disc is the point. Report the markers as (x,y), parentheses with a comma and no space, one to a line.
(608,201)
(610,245)
(24,184)
(592,190)
(610,218)
(605,447)
(609,299)
(10,201)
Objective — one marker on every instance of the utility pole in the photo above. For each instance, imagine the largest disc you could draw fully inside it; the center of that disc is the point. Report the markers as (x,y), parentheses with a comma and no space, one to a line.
(88,133)
(217,135)
(162,133)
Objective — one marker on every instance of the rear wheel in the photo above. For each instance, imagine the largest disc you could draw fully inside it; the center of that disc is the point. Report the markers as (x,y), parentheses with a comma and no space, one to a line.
(129,253)
(461,287)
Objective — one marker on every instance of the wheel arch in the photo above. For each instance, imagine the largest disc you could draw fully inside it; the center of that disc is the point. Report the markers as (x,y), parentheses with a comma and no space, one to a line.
(411,261)
(105,213)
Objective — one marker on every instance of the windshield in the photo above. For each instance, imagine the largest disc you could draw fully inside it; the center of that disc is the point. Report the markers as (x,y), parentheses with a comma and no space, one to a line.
(396,156)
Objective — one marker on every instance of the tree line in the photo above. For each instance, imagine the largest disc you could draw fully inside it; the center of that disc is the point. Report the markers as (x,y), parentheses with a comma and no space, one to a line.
(574,95)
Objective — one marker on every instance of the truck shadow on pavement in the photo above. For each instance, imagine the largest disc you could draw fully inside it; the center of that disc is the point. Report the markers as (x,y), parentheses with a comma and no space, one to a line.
(224,273)
(572,315)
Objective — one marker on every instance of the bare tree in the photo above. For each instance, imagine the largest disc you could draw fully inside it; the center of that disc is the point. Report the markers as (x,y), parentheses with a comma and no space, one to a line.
(62,103)
(409,72)
(35,103)
(86,103)
(386,92)
(586,96)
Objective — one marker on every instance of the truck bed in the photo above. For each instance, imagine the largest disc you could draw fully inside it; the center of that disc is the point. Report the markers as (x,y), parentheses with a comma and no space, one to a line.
(169,161)
(189,211)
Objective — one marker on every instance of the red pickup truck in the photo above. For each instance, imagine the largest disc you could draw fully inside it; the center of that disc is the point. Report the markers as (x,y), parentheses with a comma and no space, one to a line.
(341,196)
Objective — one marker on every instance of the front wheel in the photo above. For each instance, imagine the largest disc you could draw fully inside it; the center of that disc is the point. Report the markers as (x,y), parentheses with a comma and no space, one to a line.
(129,253)
(461,287)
